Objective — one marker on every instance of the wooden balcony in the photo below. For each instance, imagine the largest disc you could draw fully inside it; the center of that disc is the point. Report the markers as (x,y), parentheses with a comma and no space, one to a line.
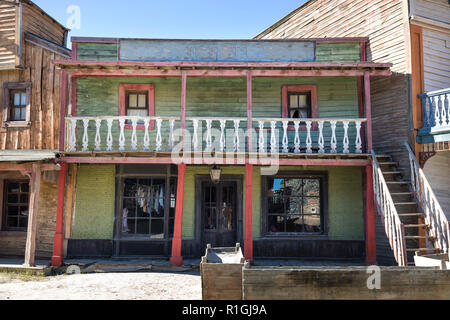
(435,117)
(111,134)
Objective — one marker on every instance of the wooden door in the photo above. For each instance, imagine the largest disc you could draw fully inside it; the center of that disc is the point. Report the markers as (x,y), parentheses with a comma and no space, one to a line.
(218,212)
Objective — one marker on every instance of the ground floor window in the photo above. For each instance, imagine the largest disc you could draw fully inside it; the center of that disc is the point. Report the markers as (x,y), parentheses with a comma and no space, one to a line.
(294,204)
(15,210)
(148,207)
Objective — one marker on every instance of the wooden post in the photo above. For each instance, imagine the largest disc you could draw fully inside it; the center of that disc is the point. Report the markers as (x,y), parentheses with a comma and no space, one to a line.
(71,189)
(176,259)
(57,258)
(249,110)
(183,106)
(371,248)
(35,183)
(368,110)
(62,120)
(248,237)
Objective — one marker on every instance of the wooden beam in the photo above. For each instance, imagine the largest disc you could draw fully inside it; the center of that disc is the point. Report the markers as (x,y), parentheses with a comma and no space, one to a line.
(12,166)
(226,73)
(57,258)
(33,208)
(190,64)
(248,234)
(176,259)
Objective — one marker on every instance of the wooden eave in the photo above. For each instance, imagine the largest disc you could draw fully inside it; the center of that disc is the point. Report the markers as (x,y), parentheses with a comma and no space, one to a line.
(199,68)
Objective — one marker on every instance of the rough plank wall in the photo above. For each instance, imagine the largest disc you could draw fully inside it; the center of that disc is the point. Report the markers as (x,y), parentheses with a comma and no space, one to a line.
(436,57)
(45,101)
(34,21)
(97,51)
(7,35)
(93,216)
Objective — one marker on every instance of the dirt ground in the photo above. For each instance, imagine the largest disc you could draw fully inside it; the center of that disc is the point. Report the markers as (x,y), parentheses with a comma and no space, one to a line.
(103,286)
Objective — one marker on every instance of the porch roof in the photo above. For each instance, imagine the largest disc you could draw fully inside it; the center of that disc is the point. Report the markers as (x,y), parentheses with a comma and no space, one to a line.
(27,155)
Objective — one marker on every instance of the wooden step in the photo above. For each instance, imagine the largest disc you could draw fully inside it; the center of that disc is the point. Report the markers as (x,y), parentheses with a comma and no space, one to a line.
(398,182)
(411,214)
(389,163)
(421,225)
(402,193)
(391,172)
(409,203)
(419,237)
(423,249)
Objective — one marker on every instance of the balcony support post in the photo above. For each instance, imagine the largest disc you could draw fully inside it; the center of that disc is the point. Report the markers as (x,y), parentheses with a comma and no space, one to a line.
(368,110)
(62,120)
(57,257)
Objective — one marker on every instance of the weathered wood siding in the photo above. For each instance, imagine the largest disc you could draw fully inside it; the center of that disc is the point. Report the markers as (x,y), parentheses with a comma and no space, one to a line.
(436,57)
(338,52)
(437,171)
(37,22)
(97,51)
(385,22)
(437,10)
(45,101)
(8,36)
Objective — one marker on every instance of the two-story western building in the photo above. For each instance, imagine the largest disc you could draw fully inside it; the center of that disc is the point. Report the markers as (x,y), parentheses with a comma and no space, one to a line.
(173,144)
(29,128)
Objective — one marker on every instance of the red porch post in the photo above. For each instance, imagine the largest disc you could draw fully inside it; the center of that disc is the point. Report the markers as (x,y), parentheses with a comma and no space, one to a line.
(176,259)
(57,258)
(371,248)
(248,237)
(368,110)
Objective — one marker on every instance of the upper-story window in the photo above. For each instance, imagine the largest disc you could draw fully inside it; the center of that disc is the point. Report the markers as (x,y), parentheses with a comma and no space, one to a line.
(299,102)
(137,100)
(299,105)
(137,103)
(16,104)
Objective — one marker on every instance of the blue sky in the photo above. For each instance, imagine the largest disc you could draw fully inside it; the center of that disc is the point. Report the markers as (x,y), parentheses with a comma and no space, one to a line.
(196,19)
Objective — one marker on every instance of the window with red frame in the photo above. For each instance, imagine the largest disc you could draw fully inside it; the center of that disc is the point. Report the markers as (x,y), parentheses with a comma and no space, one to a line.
(299,101)
(136,100)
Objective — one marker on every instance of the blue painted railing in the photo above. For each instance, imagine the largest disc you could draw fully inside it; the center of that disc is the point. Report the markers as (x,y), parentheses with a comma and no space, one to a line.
(436,111)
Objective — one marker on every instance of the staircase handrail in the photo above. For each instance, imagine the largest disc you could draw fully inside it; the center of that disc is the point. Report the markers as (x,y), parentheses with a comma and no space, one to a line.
(394,228)
(435,217)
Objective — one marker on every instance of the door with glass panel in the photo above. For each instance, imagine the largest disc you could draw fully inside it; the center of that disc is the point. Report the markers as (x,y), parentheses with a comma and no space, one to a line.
(218,212)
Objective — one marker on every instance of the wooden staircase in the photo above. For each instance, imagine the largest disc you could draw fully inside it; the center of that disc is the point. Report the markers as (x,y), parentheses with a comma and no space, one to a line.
(416,235)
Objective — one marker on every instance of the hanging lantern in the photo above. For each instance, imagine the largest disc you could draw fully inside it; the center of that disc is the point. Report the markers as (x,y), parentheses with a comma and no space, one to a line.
(215,174)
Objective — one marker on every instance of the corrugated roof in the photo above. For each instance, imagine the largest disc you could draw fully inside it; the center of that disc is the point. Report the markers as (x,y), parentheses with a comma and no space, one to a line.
(27,155)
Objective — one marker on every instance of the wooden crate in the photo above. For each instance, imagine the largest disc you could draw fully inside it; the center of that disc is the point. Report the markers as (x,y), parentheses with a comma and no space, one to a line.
(221,271)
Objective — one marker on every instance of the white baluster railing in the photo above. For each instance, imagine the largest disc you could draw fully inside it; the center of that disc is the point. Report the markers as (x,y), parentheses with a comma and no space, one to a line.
(434,215)
(317,135)
(125,133)
(393,226)
(273,135)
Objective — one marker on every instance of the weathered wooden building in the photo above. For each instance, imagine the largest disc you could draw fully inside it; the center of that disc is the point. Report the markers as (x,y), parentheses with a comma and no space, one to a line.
(29,132)
(173,144)
(414,35)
